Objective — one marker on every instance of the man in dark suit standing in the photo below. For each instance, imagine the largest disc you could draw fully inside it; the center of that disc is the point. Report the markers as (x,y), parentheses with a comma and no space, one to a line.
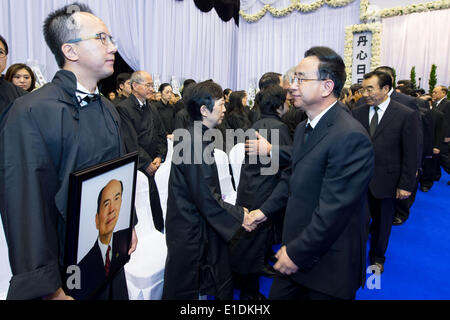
(392,127)
(441,103)
(144,132)
(325,188)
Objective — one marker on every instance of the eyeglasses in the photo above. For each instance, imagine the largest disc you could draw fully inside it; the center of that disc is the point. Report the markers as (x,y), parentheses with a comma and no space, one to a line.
(2,53)
(299,80)
(368,90)
(148,85)
(102,36)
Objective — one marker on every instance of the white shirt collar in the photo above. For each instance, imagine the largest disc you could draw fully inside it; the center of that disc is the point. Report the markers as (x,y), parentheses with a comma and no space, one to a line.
(383,106)
(104,249)
(82,92)
(316,120)
(440,101)
(390,92)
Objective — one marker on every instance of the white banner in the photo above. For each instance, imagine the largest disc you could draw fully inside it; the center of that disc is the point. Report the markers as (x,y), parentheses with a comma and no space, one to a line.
(362,55)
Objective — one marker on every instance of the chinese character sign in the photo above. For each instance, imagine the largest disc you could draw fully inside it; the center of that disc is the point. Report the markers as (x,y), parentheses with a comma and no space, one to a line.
(362,55)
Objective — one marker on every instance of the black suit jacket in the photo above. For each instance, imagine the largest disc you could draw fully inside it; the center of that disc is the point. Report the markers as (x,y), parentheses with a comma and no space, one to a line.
(395,149)
(325,188)
(412,104)
(444,107)
(93,273)
(143,131)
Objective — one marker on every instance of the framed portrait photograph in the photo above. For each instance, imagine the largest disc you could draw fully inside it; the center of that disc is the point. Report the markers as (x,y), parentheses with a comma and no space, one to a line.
(99,226)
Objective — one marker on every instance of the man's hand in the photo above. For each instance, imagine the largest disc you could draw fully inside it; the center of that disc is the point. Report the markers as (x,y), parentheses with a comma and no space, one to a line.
(284,264)
(403,194)
(154,166)
(436,151)
(134,242)
(59,295)
(446,140)
(260,146)
(248,221)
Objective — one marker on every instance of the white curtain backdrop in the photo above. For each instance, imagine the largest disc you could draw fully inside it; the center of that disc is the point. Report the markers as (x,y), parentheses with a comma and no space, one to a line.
(420,40)
(169,37)
(277,44)
(159,36)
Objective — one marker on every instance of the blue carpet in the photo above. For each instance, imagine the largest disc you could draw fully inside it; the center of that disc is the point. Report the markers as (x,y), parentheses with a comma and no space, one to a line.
(418,256)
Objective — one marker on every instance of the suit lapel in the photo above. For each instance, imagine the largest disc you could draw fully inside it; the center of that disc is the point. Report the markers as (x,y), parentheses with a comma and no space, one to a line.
(388,116)
(319,132)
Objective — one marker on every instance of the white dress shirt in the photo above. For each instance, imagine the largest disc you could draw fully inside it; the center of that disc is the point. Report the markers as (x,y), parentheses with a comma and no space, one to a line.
(382,109)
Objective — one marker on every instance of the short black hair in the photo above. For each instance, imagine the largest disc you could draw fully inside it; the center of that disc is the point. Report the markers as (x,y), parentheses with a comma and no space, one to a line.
(235,104)
(227,91)
(2,40)
(188,81)
(271,98)
(203,94)
(355,87)
(331,67)
(60,27)
(390,71)
(268,79)
(163,86)
(99,198)
(384,79)
(407,83)
(122,78)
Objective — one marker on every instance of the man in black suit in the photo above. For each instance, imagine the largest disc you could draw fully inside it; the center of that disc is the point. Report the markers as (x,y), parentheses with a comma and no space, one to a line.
(402,207)
(325,188)
(109,252)
(441,103)
(391,126)
(123,88)
(143,131)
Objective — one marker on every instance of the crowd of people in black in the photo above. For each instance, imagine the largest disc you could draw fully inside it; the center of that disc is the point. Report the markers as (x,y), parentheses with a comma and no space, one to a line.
(338,149)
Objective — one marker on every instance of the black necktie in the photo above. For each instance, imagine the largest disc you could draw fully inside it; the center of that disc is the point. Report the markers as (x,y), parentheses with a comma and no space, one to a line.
(307,133)
(91,98)
(374,121)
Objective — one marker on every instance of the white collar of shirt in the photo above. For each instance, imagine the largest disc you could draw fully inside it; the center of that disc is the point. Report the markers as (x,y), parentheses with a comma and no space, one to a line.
(439,101)
(382,109)
(82,92)
(104,249)
(141,104)
(390,92)
(316,120)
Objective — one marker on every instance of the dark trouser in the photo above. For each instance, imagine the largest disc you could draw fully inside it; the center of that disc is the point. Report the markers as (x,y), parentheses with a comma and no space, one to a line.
(155,204)
(444,157)
(431,171)
(382,212)
(248,284)
(402,207)
(284,288)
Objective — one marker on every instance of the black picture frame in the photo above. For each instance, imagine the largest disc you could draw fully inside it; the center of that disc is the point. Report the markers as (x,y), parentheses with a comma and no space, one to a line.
(87,188)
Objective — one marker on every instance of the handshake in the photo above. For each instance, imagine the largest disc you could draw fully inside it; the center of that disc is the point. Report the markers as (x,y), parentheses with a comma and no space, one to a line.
(253,219)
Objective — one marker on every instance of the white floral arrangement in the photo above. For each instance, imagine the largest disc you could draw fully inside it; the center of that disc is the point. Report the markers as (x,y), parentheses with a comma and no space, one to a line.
(398,11)
(295,5)
(375,62)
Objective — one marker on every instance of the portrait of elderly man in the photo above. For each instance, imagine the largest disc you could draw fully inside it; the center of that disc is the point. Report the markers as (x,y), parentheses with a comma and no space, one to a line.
(109,252)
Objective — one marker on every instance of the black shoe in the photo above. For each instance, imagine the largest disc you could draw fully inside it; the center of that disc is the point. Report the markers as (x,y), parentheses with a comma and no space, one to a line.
(268,271)
(253,297)
(424,189)
(378,266)
(397,221)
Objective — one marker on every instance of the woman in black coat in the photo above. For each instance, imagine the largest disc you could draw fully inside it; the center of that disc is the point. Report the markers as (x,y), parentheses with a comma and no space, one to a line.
(254,187)
(199,223)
